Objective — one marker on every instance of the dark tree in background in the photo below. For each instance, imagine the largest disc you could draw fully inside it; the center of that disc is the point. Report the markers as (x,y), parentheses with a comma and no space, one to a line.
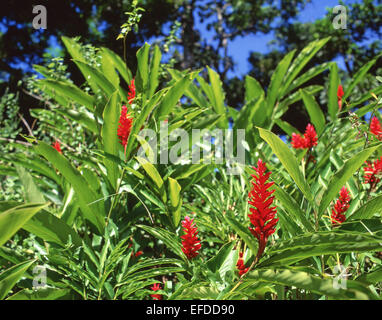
(98,22)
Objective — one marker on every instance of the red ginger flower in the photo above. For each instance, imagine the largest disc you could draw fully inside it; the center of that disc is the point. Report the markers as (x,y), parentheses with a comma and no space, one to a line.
(376,128)
(190,242)
(131,94)
(262,214)
(340,94)
(372,170)
(308,141)
(57,146)
(341,207)
(125,125)
(240,265)
(156,287)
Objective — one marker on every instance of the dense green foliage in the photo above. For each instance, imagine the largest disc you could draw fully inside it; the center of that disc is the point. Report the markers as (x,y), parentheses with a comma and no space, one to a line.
(89,210)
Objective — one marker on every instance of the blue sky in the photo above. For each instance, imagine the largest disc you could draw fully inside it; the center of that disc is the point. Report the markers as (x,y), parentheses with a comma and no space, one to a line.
(241,47)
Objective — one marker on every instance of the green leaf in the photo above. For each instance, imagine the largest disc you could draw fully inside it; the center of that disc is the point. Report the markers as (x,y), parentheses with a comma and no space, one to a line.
(89,202)
(84,118)
(301,60)
(42,294)
(108,70)
(175,199)
(306,76)
(31,191)
(173,95)
(320,243)
(304,280)
(110,139)
(119,64)
(14,218)
(142,77)
(169,239)
(243,232)
(223,260)
(51,229)
(66,91)
(291,206)
(332,93)
(154,175)
(276,81)
(369,209)
(192,91)
(9,277)
(339,179)
(97,77)
(358,77)
(253,89)
(288,160)
(154,71)
(315,113)
(218,96)
(371,277)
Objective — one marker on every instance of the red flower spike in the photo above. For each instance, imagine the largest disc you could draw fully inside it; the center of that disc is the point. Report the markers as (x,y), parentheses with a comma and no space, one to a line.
(240,265)
(372,171)
(308,141)
(262,214)
(310,136)
(156,287)
(340,94)
(376,128)
(57,146)
(298,142)
(340,207)
(131,94)
(125,125)
(190,242)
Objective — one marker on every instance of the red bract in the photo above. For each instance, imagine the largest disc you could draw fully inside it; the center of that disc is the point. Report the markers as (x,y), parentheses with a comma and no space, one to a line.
(125,125)
(57,146)
(372,171)
(310,136)
(340,94)
(308,141)
(190,242)
(156,287)
(340,207)
(131,94)
(262,214)
(376,128)
(240,265)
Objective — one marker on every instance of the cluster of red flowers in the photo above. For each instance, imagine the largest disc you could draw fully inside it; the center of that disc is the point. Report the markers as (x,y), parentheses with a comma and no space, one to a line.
(125,119)
(372,171)
(57,146)
(190,242)
(135,254)
(125,125)
(262,214)
(376,128)
(240,265)
(340,207)
(340,94)
(131,94)
(156,287)
(309,140)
